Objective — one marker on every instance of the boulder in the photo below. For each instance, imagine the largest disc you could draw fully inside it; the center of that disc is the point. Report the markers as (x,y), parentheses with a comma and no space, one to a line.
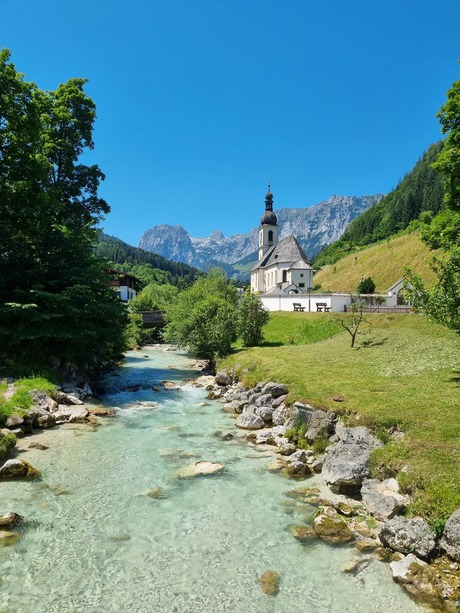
(34,445)
(320,422)
(42,401)
(347,462)
(264,400)
(8,538)
(332,528)
(43,419)
(418,578)
(102,411)
(298,456)
(249,421)
(382,498)
(68,413)
(18,469)
(7,520)
(269,582)
(280,415)
(317,465)
(285,447)
(197,469)
(263,437)
(266,414)
(450,541)
(275,389)
(14,421)
(297,469)
(409,536)
(222,378)
(302,533)
(276,402)
(291,417)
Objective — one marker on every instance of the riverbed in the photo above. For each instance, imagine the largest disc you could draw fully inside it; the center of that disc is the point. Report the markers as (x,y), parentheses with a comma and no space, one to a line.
(95,541)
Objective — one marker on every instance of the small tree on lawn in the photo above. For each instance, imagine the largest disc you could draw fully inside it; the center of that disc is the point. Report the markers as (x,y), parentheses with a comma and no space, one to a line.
(354,321)
(252,317)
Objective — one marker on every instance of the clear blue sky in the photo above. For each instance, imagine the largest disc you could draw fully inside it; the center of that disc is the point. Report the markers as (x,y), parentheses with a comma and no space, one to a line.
(200,101)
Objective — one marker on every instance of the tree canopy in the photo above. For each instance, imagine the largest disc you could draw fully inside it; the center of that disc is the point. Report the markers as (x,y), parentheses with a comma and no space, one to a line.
(55,303)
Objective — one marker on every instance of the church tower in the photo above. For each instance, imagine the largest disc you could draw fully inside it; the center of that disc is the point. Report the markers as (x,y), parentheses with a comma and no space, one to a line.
(268,229)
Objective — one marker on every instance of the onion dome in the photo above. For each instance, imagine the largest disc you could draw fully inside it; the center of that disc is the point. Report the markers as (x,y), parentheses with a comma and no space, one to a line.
(269,217)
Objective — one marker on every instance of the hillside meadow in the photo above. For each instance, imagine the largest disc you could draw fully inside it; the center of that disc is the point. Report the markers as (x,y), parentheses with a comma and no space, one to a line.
(402,380)
(384,262)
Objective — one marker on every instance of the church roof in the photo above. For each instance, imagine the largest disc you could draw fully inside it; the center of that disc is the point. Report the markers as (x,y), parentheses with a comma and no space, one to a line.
(286,250)
(300,265)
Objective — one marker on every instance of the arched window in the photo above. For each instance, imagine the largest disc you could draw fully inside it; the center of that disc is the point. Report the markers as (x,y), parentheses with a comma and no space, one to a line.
(270,236)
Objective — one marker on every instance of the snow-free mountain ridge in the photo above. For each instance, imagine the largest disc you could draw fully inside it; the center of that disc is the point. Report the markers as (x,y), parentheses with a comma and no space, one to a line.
(314,227)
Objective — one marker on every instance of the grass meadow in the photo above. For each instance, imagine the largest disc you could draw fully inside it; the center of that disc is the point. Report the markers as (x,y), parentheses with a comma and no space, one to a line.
(402,379)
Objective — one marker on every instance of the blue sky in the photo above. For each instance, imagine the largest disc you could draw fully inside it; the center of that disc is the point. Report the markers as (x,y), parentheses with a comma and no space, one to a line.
(199,102)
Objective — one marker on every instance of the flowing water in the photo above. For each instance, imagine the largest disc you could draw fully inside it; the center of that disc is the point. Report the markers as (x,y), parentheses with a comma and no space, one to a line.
(94,542)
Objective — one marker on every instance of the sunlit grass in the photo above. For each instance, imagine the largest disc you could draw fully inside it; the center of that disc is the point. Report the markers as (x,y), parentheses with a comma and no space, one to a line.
(408,374)
(384,262)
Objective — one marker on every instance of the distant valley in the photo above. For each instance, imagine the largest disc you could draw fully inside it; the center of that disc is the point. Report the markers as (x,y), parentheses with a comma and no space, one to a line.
(315,227)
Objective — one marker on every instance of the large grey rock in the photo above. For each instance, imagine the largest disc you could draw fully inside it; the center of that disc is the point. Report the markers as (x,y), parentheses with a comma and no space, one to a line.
(276,402)
(382,498)
(419,579)
(18,469)
(42,401)
(347,462)
(43,419)
(68,413)
(298,456)
(280,415)
(266,414)
(450,541)
(197,469)
(7,520)
(409,536)
(292,416)
(222,378)
(320,423)
(275,389)
(264,400)
(250,421)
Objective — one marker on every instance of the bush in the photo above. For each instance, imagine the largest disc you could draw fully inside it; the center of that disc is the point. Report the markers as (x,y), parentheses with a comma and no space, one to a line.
(366,286)
(252,317)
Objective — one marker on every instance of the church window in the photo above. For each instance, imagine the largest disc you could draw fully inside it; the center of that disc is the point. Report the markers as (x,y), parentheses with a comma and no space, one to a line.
(284,276)
(301,274)
(270,236)
(301,284)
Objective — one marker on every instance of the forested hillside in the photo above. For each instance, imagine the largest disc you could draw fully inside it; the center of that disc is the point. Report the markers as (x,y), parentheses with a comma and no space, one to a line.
(418,195)
(149,267)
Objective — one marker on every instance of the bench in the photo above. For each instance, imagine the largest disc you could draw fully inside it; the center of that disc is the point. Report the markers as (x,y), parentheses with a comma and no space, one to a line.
(322,306)
(298,307)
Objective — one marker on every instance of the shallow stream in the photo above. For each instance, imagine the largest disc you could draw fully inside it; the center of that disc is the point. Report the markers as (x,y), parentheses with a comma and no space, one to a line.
(95,542)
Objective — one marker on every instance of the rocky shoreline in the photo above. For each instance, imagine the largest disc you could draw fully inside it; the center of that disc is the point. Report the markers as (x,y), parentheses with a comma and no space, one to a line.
(353,508)
(350,507)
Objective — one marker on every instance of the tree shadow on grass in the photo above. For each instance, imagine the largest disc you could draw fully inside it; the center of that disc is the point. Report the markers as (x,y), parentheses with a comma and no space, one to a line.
(455,377)
(271,344)
(372,342)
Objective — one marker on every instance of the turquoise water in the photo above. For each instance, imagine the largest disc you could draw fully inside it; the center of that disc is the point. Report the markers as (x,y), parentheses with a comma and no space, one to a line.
(93,540)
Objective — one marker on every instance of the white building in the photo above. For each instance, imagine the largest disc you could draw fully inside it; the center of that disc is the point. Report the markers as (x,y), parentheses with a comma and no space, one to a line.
(281,263)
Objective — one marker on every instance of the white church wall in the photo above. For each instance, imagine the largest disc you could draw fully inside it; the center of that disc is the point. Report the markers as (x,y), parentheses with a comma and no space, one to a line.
(336,302)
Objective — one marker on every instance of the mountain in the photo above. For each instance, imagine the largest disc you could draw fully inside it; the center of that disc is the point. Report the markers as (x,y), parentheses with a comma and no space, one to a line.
(314,227)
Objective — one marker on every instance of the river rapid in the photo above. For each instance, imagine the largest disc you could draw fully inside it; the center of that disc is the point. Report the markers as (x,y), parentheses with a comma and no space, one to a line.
(95,542)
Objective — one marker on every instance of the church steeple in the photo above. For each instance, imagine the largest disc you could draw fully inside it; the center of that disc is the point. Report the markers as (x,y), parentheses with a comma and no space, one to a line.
(268,229)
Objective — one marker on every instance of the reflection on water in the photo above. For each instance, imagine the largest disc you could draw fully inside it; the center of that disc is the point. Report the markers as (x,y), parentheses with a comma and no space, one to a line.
(111,529)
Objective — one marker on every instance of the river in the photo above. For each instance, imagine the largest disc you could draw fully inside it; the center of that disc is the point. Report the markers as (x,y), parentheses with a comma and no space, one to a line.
(95,542)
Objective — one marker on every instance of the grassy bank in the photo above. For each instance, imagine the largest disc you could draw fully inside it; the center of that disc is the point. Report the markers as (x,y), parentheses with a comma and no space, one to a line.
(384,262)
(21,399)
(406,378)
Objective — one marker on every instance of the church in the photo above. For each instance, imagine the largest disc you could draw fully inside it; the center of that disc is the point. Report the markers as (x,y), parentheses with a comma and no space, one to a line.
(282,263)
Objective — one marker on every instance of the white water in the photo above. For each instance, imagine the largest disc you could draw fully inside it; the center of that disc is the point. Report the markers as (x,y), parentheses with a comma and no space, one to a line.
(93,542)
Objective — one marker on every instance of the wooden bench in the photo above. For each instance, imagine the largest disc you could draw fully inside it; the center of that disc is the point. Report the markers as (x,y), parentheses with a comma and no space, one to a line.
(298,307)
(322,306)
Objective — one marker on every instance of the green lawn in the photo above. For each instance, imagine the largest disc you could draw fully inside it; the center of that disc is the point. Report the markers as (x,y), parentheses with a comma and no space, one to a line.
(406,377)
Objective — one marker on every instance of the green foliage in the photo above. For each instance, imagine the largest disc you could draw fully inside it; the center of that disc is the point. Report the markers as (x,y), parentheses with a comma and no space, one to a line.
(443,232)
(154,297)
(148,267)
(366,286)
(7,442)
(204,317)
(442,303)
(448,162)
(252,317)
(54,293)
